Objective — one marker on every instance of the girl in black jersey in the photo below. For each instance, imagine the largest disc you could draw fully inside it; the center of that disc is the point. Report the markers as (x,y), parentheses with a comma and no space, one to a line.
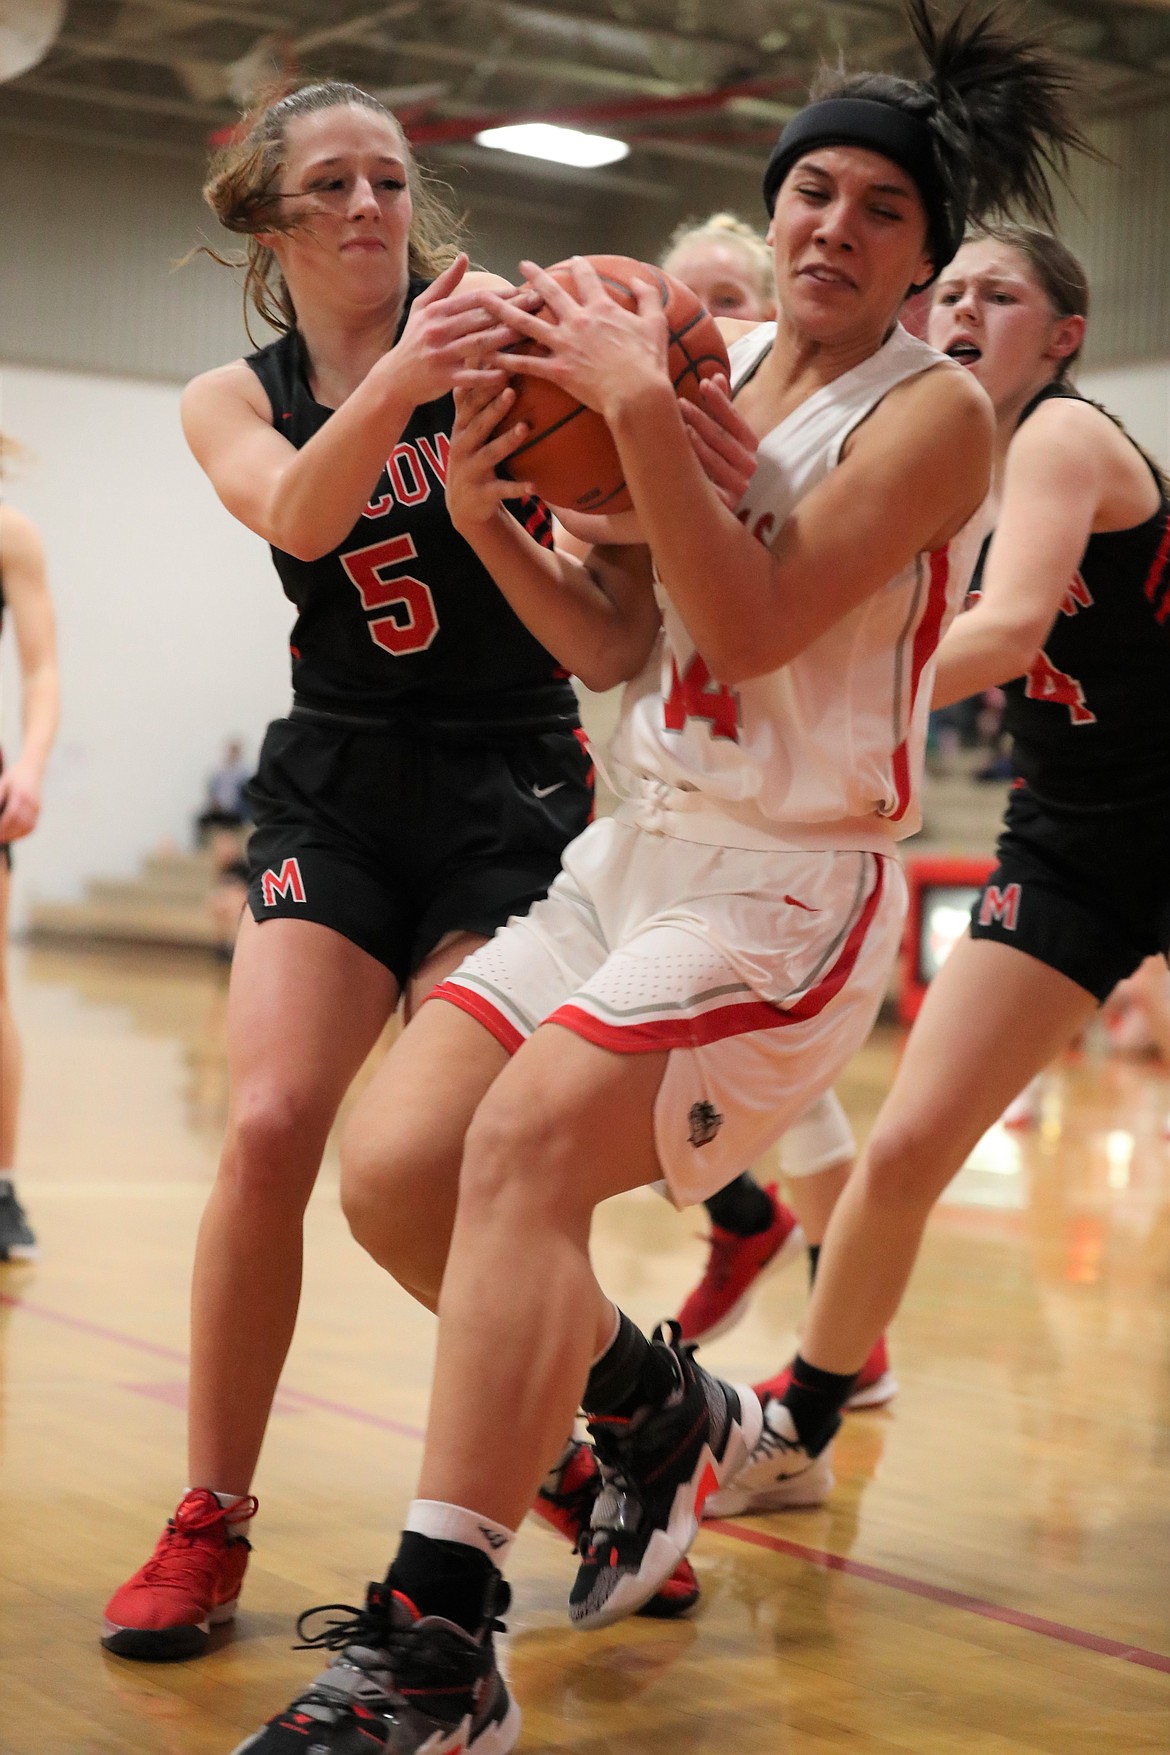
(1073,617)
(424,783)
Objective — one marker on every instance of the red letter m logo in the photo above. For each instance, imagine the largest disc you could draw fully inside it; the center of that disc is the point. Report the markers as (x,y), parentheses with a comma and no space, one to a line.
(288,884)
(1001,905)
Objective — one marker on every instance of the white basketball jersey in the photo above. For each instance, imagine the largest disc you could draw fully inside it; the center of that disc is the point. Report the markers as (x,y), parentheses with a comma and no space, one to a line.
(828,750)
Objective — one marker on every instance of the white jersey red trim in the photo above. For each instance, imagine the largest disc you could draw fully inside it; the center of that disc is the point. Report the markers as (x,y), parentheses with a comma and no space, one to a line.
(702,1018)
(828,750)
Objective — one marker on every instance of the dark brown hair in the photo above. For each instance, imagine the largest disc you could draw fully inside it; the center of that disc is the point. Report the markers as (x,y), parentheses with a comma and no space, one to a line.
(1000,108)
(241,190)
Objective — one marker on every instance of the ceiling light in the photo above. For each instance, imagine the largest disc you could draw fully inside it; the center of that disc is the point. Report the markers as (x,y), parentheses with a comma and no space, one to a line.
(564,146)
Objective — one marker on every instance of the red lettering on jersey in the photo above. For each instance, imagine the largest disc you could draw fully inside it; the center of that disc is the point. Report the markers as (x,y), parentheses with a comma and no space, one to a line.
(763,527)
(695,696)
(1078,596)
(408,492)
(378,508)
(1001,905)
(409,621)
(437,454)
(287,883)
(1046,683)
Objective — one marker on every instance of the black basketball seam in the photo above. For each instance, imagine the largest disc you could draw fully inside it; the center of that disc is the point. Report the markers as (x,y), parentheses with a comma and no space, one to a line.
(694,366)
(545,433)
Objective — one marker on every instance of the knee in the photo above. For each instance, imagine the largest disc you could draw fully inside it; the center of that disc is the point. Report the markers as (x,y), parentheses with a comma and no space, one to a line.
(906,1164)
(273,1147)
(370,1167)
(522,1162)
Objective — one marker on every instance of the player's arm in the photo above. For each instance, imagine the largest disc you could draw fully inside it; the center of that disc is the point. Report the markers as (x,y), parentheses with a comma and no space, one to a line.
(591,606)
(720,438)
(913,473)
(1054,478)
(306,501)
(26,591)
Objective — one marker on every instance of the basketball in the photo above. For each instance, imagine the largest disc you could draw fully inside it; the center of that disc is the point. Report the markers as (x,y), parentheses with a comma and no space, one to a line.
(569,456)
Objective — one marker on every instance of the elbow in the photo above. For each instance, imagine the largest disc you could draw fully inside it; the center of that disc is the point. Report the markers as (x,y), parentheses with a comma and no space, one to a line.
(298,533)
(604,672)
(734,661)
(1017,653)
(302,545)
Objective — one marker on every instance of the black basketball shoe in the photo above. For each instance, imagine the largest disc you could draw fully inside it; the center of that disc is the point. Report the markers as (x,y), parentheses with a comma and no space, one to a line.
(657,1469)
(400,1683)
(17,1241)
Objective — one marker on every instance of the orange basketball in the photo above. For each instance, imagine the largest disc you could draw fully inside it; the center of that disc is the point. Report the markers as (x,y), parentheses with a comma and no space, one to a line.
(569,456)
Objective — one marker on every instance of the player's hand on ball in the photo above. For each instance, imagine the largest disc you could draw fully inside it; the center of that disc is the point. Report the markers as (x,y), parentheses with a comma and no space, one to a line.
(448,323)
(475,492)
(722,440)
(596,350)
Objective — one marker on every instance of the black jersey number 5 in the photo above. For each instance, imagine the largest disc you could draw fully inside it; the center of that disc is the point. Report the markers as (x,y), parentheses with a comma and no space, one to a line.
(406,619)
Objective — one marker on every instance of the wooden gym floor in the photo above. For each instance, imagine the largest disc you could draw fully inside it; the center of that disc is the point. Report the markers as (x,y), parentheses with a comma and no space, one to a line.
(989,1577)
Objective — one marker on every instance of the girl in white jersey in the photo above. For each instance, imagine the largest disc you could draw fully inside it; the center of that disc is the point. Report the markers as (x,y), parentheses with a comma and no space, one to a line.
(1071,617)
(753,1232)
(710,957)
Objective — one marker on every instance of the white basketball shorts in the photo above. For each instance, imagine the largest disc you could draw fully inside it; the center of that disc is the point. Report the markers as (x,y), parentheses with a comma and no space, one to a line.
(758,973)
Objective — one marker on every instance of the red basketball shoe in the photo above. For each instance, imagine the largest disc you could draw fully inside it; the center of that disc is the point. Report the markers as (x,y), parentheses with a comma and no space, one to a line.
(190,1584)
(735,1266)
(568,1509)
(876,1384)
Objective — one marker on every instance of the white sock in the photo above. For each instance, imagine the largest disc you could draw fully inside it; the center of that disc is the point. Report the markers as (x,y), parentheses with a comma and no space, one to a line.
(454,1523)
(237,1526)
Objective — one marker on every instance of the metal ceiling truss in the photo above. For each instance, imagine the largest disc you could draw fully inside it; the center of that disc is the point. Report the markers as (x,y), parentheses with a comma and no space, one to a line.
(695,81)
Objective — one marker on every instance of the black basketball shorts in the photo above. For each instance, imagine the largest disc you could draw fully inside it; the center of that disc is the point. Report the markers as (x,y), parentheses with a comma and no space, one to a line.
(395,840)
(1084,889)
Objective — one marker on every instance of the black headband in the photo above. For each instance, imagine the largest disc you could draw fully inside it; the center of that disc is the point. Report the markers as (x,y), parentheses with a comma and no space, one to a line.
(905,139)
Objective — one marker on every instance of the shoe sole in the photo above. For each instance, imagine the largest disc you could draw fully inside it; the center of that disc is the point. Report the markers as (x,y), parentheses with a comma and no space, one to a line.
(499,1738)
(810,1487)
(874,1395)
(160,1645)
(20,1252)
(661,1607)
(667,1547)
(792,1246)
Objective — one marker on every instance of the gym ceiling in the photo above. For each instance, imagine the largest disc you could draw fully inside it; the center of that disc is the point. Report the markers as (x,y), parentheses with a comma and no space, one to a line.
(704,84)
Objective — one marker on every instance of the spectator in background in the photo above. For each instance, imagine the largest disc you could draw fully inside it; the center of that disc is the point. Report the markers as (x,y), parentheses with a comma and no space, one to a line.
(226,806)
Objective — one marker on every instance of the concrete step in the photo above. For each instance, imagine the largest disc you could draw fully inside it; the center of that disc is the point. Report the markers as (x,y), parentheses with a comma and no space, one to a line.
(158,924)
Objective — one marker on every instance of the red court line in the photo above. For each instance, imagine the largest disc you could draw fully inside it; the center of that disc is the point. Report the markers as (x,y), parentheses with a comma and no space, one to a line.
(99,1331)
(914,1587)
(951,1599)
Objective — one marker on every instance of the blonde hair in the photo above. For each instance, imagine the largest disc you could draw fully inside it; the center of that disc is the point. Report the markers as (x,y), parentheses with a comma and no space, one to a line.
(241,190)
(725,228)
(10,452)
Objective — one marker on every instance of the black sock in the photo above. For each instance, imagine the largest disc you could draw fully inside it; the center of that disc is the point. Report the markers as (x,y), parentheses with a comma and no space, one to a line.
(814,1256)
(742,1207)
(630,1374)
(815,1398)
(443,1578)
